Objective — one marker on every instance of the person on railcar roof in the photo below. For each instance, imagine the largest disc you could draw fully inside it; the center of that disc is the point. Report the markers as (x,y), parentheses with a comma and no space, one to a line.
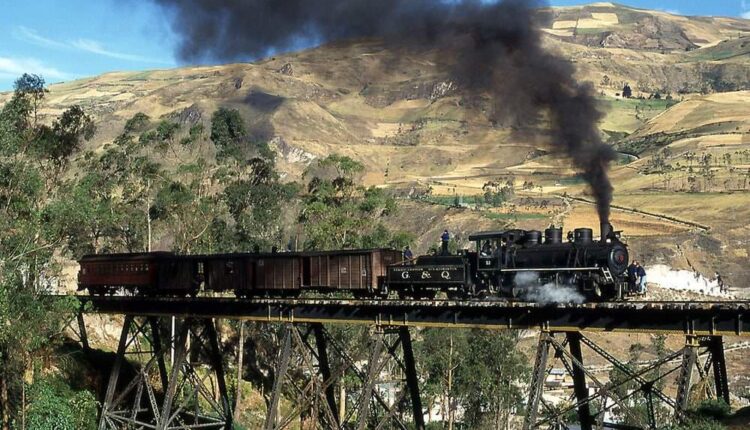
(408,255)
(445,238)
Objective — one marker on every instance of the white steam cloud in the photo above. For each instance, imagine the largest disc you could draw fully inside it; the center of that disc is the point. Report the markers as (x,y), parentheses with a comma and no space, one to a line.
(682,280)
(548,293)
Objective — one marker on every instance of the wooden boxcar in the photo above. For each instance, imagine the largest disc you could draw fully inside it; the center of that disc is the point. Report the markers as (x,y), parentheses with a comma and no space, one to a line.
(228,272)
(357,270)
(150,273)
(277,273)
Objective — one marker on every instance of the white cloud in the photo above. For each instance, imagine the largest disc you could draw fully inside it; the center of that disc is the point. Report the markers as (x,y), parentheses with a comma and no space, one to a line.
(745,14)
(11,68)
(745,7)
(32,36)
(97,48)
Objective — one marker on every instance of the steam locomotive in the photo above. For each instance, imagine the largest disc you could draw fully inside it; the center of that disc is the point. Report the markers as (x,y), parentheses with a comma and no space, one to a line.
(517,263)
(510,263)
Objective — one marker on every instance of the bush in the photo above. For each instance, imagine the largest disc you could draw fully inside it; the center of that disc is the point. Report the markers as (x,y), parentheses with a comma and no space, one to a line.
(137,123)
(713,408)
(701,425)
(55,406)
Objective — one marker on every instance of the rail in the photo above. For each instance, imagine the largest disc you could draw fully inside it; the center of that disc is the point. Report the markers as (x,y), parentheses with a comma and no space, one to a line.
(690,318)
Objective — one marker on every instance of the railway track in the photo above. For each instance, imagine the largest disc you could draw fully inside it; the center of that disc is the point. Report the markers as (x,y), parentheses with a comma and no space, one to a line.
(473,302)
(668,317)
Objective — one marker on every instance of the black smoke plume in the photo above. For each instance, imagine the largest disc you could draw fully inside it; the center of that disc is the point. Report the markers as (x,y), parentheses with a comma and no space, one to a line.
(496,49)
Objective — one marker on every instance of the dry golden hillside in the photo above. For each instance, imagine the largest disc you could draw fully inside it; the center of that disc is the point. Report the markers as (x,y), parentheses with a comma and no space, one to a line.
(396,112)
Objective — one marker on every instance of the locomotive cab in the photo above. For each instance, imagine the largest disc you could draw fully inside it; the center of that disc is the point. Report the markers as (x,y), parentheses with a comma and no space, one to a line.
(492,251)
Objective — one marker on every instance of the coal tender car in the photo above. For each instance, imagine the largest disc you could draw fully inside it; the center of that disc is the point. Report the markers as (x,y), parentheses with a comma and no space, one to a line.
(514,263)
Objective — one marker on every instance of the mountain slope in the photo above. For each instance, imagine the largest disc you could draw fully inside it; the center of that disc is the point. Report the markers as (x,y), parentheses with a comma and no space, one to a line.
(397,112)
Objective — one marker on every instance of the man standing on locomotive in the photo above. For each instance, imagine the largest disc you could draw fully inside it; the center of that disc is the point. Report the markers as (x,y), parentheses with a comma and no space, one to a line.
(445,238)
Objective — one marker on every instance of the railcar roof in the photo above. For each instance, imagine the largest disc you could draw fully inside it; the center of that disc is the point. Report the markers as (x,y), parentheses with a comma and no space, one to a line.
(486,235)
(348,251)
(281,254)
(126,256)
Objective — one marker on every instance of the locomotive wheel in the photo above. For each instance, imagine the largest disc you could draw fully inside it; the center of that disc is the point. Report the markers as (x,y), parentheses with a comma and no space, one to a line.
(428,294)
(597,292)
(384,291)
(361,295)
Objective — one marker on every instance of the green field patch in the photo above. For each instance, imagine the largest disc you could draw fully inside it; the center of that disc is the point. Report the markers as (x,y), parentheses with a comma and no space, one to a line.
(624,116)
(571,180)
(588,31)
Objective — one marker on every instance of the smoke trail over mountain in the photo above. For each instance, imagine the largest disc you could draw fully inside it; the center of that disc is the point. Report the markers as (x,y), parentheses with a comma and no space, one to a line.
(496,47)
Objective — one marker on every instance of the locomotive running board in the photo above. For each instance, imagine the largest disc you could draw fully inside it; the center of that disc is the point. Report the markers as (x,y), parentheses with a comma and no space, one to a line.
(556,269)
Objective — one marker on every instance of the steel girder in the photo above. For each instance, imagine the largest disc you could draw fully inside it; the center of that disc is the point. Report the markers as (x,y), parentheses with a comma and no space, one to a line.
(146,392)
(319,362)
(646,381)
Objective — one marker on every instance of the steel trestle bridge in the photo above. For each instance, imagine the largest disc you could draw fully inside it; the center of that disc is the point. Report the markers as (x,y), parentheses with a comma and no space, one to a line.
(180,382)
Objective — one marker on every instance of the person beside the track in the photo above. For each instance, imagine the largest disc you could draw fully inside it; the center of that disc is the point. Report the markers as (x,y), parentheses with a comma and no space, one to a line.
(641,272)
(632,274)
(723,288)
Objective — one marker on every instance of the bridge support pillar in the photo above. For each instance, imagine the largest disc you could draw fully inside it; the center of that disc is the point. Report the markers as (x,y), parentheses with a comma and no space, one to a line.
(721,382)
(143,392)
(685,379)
(321,344)
(538,377)
(412,381)
(579,381)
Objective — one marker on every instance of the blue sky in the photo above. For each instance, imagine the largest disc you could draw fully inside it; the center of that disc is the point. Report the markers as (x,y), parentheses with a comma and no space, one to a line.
(67,39)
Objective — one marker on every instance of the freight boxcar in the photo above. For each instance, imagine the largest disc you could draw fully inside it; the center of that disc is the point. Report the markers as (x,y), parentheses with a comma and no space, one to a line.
(228,272)
(276,273)
(359,271)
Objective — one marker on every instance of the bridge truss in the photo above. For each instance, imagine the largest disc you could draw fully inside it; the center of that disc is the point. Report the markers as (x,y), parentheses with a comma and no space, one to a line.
(176,379)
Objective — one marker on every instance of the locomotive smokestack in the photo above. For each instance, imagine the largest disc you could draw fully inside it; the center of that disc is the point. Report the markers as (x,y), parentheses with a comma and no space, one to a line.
(606,229)
(491,51)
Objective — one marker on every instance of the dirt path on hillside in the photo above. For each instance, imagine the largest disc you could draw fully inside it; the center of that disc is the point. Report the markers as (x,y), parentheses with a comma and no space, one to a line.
(658,216)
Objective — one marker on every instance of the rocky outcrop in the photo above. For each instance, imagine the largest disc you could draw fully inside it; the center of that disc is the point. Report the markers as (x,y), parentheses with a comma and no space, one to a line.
(378,95)
(291,154)
(286,69)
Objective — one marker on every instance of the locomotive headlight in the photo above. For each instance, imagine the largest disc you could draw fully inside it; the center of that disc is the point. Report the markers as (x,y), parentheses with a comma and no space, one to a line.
(618,259)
